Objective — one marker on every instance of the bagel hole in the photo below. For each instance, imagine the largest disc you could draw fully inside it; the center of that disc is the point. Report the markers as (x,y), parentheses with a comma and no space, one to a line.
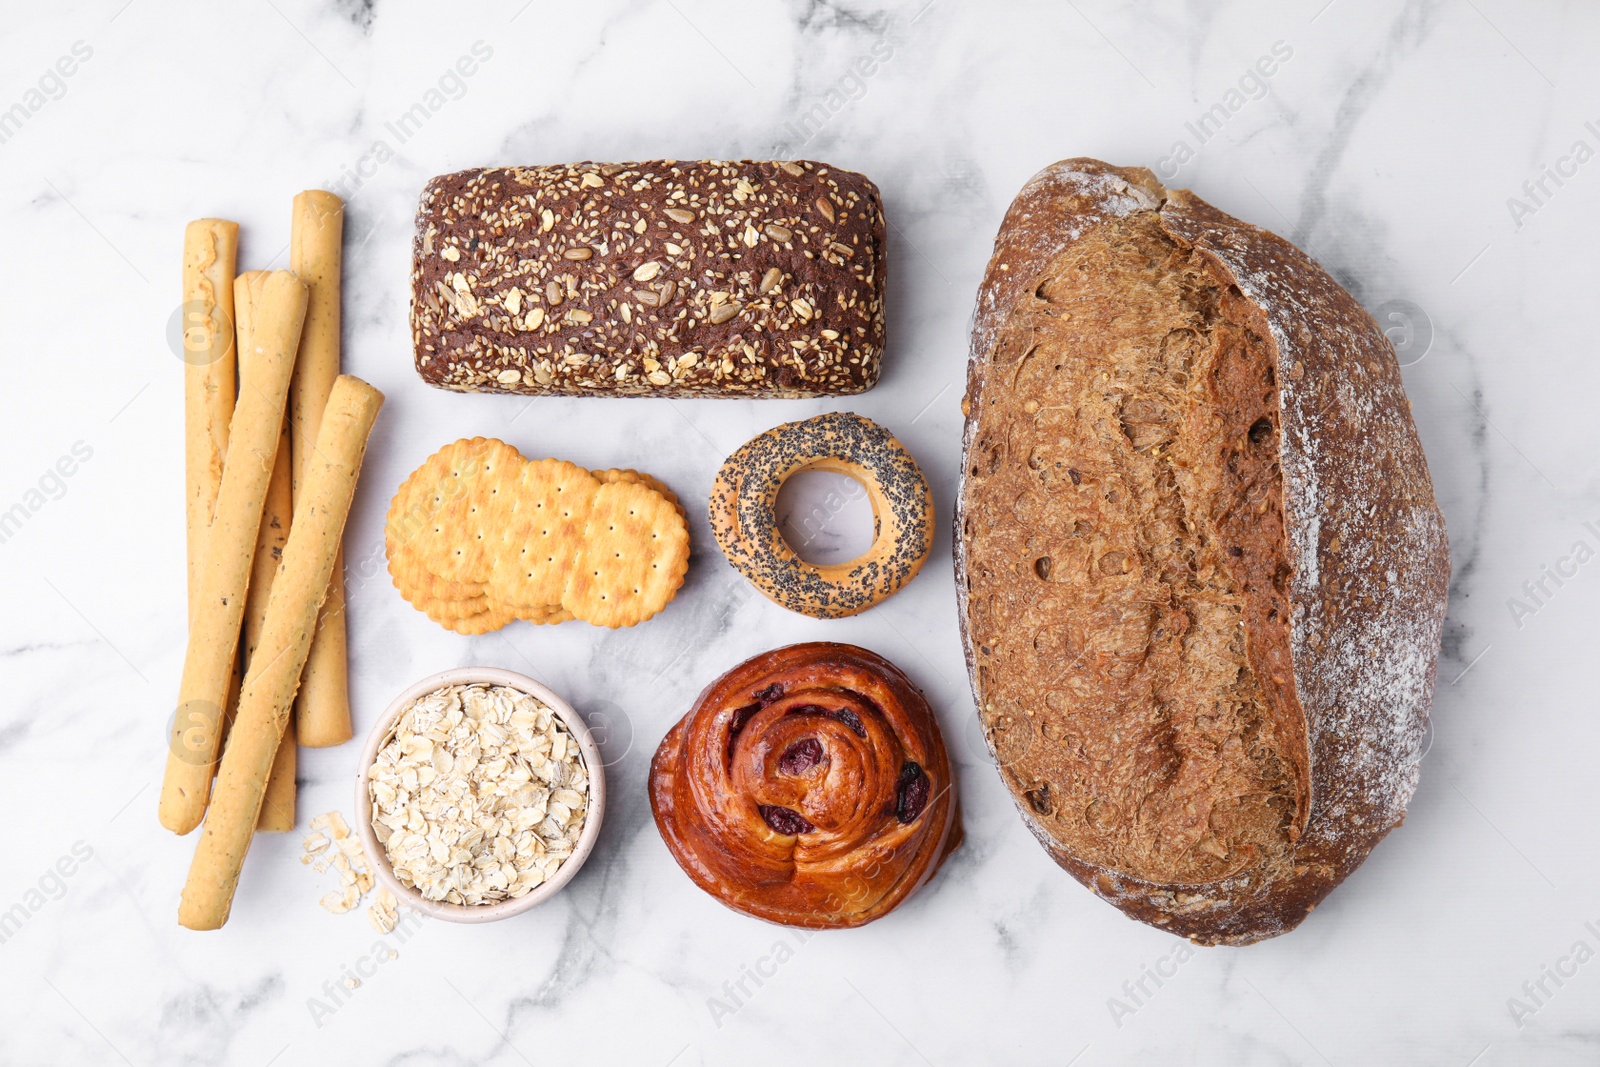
(825,516)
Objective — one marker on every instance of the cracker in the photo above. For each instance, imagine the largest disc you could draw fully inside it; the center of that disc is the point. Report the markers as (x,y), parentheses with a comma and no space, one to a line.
(640,477)
(539,524)
(456,609)
(435,607)
(435,516)
(467,612)
(455,606)
(545,616)
(409,574)
(431,595)
(632,559)
(539,615)
(477,536)
(472,625)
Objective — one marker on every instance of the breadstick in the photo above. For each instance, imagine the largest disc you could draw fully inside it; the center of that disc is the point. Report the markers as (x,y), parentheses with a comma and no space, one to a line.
(277,812)
(279,301)
(210,251)
(274,673)
(277,804)
(242,343)
(322,710)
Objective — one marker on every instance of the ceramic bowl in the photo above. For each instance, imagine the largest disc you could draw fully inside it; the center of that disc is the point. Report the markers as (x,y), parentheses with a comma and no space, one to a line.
(480,913)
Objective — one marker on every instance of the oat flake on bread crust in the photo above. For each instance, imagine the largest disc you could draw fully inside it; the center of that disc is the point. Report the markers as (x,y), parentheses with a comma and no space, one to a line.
(1127,533)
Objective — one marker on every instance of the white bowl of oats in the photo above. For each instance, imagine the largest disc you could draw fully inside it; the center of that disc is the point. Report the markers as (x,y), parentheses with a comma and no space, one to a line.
(480,794)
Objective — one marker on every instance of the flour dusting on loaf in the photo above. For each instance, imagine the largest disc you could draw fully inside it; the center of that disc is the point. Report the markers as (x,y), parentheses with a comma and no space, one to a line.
(1201,571)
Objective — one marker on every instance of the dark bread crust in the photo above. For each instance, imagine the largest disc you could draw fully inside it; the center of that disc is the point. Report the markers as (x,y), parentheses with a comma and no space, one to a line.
(659,278)
(1362,554)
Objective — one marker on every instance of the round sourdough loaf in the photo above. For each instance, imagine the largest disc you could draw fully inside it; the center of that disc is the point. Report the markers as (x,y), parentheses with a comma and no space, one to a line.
(1201,570)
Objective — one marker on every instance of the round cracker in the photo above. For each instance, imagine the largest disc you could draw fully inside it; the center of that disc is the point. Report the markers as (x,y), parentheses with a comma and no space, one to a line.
(409,575)
(538,529)
(447,611)
(437,519)
(627,474)
(537,614)
(476,624)
(633,556)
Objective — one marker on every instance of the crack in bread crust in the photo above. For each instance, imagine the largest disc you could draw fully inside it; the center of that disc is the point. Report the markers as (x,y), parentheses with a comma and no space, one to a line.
(1128,491)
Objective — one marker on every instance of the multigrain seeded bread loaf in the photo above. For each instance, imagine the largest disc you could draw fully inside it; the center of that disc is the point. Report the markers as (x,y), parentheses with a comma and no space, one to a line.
(1201,571)
(664,278)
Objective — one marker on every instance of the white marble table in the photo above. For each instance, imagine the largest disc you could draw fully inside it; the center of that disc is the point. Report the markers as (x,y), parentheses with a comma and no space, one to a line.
(1409,146)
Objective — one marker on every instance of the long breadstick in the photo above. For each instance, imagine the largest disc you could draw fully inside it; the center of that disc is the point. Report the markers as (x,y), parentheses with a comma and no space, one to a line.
(210,252)
(277,805)
(277,811)
(274,673)
(279,301)
(210,256)
(316,235)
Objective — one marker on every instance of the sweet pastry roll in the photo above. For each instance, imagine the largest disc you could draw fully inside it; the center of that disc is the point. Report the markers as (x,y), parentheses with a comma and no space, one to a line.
(809,786)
